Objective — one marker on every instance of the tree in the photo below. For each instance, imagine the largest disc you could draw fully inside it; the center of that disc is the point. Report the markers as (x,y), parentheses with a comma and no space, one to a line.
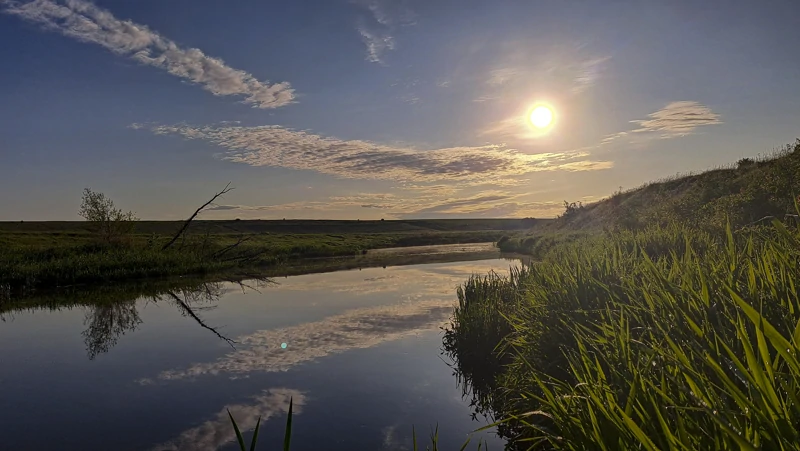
(110,222)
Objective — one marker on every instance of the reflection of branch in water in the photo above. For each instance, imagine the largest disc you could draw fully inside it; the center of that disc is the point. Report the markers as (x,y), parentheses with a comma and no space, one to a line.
(106,323)
(188,310)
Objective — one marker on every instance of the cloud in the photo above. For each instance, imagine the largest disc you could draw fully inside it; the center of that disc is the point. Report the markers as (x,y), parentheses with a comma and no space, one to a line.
(356,329)
(501,76)
(678,119)
(485,98)
(215,433)
(276,146)
(562,70)
(86,22)
(376,33)
(377,43)
(467,205)
(409,205)
(587,72)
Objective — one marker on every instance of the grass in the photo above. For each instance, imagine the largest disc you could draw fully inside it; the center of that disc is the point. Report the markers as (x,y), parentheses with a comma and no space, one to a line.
(36,260)
(753,190)
(663,338)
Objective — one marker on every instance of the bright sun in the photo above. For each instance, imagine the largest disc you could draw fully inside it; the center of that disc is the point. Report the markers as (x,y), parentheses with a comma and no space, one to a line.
(541,116)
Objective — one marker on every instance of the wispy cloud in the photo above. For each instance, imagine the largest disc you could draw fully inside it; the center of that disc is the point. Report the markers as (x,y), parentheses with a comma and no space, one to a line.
(501,76)
(277,146)
(563,70)
(675,120)
(587,73)
(406,205)
(86,22)
(215,433)
(376,41)
(678,119)
(376,32)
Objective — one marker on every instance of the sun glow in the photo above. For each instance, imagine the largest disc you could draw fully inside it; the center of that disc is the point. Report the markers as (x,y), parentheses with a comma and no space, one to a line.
(541,116)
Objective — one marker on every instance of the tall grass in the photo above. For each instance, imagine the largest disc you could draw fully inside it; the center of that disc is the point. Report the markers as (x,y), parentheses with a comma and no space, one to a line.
(666,338)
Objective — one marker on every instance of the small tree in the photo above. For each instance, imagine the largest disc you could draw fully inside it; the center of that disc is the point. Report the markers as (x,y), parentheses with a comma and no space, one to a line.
(110,222)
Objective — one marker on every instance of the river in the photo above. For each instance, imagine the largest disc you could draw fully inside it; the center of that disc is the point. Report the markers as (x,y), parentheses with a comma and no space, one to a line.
(358,351)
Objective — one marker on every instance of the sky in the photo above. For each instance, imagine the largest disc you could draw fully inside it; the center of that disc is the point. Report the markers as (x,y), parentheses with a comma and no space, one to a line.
(368,109)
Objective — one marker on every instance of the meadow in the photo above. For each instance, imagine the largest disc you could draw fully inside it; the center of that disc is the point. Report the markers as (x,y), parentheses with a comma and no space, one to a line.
(36,255)
(667,332)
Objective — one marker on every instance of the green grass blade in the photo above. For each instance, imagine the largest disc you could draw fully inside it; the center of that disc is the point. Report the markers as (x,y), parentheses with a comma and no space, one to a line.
(255,435)
(287,436)
(239,437)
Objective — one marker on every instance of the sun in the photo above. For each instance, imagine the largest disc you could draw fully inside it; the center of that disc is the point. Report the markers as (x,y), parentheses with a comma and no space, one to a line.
(541,116)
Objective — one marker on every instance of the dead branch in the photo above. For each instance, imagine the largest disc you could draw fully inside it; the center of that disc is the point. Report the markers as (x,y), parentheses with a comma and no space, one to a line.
(189,311)
(246,258)
(226,249)
(196,212)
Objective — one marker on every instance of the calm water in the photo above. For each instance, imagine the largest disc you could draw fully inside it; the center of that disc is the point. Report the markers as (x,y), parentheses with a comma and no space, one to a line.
(362,363)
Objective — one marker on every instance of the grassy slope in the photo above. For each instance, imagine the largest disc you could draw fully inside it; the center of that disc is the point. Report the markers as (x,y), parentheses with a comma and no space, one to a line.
(742,194)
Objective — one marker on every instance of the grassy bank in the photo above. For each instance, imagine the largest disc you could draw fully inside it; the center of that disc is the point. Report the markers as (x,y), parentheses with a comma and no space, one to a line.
(750,191)
(666,338)
(34,260)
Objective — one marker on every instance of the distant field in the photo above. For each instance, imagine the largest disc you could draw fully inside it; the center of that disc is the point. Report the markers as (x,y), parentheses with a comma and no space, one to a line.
(291,226)
(47,254)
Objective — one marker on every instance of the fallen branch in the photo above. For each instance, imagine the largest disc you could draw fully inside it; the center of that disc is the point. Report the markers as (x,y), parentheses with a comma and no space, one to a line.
(196,212)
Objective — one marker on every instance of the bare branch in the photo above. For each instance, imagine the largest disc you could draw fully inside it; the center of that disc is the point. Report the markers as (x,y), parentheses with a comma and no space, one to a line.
(226,249)
(196,212)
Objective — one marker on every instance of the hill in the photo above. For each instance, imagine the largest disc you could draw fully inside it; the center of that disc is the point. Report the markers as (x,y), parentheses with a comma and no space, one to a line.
(744,192)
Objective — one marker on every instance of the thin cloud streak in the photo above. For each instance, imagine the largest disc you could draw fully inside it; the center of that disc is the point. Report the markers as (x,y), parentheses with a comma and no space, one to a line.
(486,203)
(86,22)
(678,119)
(675,120)
(376,42)
(276,146)
(386,16)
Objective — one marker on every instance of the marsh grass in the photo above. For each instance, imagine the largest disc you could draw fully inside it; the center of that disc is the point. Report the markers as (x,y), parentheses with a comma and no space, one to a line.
(666,338)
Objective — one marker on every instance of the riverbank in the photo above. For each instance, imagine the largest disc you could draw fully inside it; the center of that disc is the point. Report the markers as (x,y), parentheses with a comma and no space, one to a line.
(37,256)
(665,338)
(130,289)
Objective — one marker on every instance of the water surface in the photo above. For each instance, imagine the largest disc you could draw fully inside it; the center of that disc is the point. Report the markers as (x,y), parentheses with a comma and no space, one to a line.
(159,371)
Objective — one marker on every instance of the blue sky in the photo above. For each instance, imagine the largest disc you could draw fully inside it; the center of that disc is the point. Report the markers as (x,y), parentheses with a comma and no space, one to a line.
(381,108)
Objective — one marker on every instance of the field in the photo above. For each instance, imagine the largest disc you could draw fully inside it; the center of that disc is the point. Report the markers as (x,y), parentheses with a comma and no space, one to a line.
(35,255)
(666,317)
